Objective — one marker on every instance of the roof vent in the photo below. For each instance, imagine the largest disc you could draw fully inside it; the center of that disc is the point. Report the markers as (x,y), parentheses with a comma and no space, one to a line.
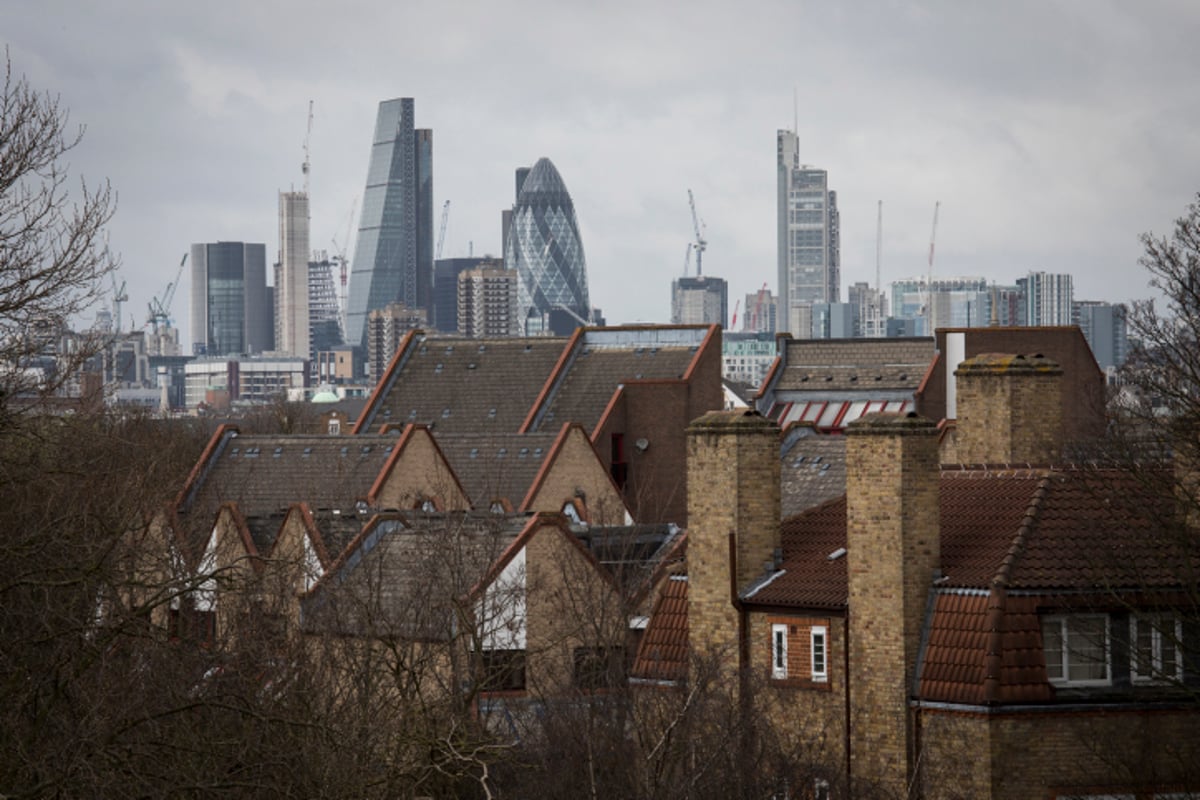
(278,452)
(836,554)
(445,413)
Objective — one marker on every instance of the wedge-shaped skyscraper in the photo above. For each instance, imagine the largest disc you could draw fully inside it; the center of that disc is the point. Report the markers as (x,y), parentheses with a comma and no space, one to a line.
(544,247)
(393,261)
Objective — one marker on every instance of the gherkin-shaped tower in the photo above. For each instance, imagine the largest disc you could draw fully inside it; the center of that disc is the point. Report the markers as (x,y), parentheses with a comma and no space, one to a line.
(545,249)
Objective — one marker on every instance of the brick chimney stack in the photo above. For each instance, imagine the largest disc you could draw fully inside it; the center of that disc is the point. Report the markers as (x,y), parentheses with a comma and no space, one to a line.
(893,555)
(1009,410)
(733,488)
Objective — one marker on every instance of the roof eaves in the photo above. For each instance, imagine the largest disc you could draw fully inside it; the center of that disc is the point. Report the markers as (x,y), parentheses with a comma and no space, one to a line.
(553,380)
(208,457)
(384,386)
(701,351)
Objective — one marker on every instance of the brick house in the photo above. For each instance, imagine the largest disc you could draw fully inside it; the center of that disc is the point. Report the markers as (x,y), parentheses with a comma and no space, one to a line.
(1009,629)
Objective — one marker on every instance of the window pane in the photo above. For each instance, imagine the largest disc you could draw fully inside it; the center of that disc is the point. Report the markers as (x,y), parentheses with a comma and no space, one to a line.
(1052,647)
(1087,659)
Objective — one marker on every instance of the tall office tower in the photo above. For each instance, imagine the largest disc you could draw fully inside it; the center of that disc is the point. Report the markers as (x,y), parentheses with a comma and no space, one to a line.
(759,316)
(393,262)
(291,277)
(700,300)
(324,319)
(1048,298)
(445,288)
(384,330)
(232,311)
(544,247)
(809,260)
(872,309)
(1106,330)
(487,303)
(946,303)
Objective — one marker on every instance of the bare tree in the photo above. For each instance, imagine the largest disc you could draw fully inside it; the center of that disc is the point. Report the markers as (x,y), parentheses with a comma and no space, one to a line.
(52,256)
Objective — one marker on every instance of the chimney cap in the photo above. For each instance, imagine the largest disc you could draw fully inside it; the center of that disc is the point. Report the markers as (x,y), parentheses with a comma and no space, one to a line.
(1008,364)
(884,424)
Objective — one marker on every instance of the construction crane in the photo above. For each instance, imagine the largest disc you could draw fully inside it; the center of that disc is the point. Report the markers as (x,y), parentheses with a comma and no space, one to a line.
(340,257)
(307,135)
(733,322)
(119,296)
(160,309)
(442,232)
(927,305)
(701,243)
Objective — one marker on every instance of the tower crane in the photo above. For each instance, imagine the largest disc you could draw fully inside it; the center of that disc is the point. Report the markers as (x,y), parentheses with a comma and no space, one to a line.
(307,135)
(442,232)
(701,243)
(927,306)
(340,258)
(119,296)
(160,309)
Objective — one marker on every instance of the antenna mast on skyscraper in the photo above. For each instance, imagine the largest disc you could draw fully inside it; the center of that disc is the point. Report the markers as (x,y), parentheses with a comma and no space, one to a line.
(307,135)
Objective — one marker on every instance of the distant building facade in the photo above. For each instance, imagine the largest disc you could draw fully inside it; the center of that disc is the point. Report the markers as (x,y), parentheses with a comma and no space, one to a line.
(543,245)
(760,314)
(220,381)
(872,309)
(808,237)
(835,321)
(445,288)
(1049,298)
(232,311)
(487,303)
(1104,326)
(386,327)
(291,276)
(324,314)
(747,357)
(700,300)
(393,261)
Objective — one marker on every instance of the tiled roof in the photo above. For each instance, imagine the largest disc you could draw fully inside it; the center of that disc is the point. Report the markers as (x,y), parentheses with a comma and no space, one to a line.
(459,385)
(855,364)
(964,629)
(813,470)
(594,374)
(492,466)
(809,578)
(663,652)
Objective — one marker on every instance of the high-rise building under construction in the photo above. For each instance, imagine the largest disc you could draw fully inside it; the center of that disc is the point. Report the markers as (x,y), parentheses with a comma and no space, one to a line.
(393,261)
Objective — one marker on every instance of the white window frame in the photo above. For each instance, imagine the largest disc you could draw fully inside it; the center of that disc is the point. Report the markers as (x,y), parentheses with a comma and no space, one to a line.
(779,648)
(1156,622)
(1063,623)
(819,633)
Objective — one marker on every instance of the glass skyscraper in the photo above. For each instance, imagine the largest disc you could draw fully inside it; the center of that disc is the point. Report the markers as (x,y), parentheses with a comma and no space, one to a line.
(543,246)
(393,261)
(809,261)
(232,310)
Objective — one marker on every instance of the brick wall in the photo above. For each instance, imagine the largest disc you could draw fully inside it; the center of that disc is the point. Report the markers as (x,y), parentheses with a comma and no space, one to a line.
(1052,753)
(577,467)
(892,553)
(733,487)
(1009,410)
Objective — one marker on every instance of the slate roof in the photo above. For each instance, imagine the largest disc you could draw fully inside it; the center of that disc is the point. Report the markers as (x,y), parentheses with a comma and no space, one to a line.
(266,474)
(663,652)
(406,574)
(892,365)
(459,385)
(594,374)
(808,578)
(631,553)
(491,466)
(812,469)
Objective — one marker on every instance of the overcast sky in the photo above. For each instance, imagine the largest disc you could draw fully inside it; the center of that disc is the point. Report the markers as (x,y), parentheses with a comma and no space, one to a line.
(1053,133)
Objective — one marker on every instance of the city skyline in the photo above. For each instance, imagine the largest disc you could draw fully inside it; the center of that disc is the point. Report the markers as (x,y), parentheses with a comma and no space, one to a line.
(912,104)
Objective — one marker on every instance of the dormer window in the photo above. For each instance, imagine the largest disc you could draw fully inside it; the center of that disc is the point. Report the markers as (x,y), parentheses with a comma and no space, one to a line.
(1076,647)
(1155,648)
